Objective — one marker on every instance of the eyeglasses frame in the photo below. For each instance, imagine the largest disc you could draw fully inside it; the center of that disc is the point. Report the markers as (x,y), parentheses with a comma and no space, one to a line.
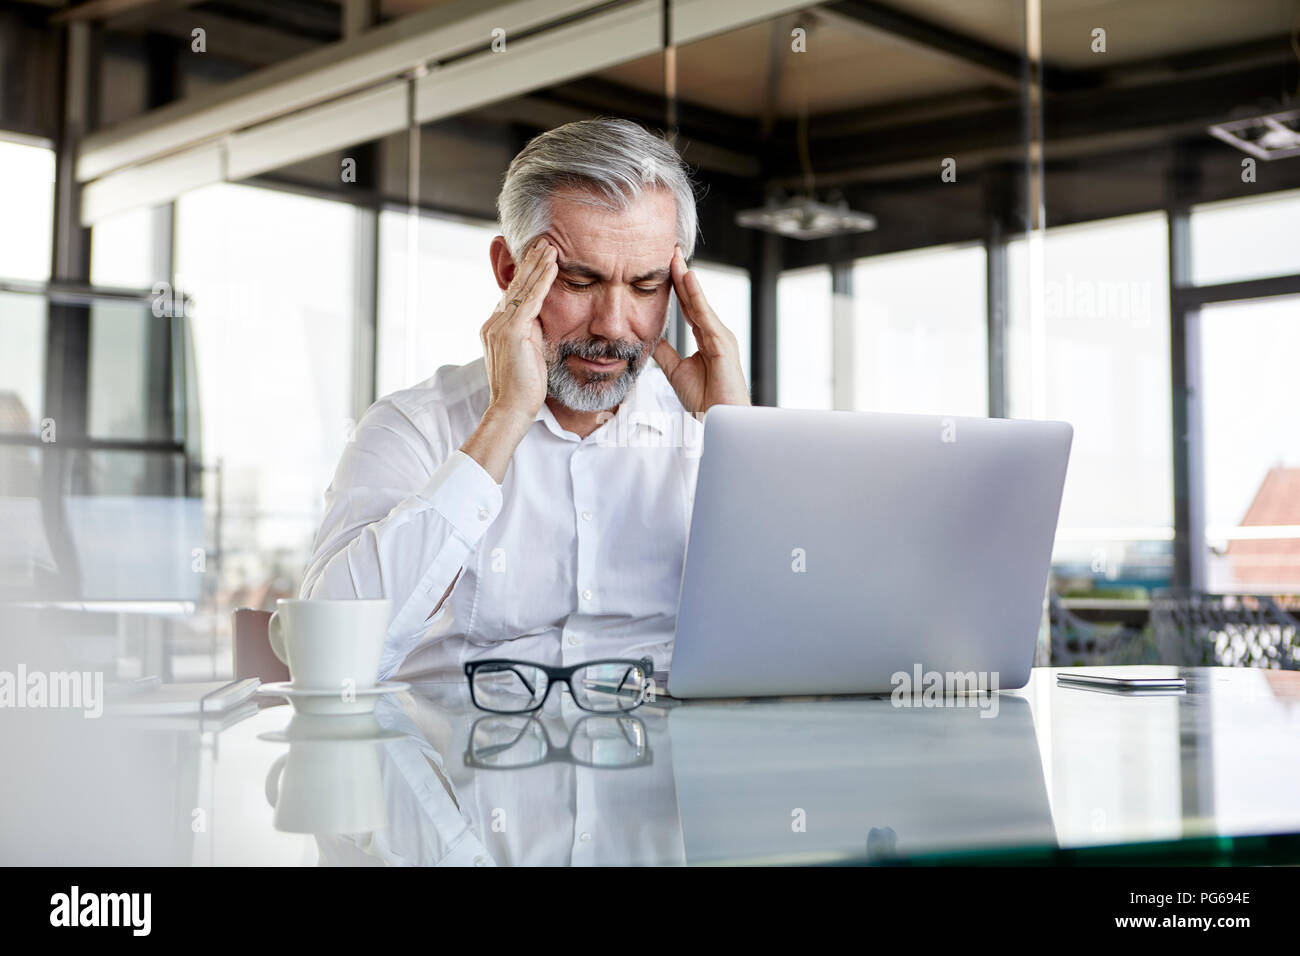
(554,676)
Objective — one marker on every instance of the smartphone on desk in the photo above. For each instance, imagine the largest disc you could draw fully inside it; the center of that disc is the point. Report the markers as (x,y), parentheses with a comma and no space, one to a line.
(1125,684)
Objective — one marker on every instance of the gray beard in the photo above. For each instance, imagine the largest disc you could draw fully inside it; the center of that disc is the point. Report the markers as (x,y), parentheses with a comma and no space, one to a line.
(602,391)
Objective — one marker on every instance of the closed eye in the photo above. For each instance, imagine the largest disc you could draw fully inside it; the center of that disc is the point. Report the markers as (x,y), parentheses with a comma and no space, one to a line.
(644,290)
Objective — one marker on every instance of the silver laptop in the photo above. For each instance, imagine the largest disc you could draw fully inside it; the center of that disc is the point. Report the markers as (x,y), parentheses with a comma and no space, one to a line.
(830,551)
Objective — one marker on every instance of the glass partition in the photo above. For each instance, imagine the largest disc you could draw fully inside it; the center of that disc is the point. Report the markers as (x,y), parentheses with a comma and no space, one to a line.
(272,277)
(74,485)
(920,335)
(1107,351)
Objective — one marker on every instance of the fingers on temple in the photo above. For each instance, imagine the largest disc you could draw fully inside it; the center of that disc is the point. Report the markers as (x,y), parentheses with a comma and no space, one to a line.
(531,272)
(531,299)
(691,296)
(710,334)
(533,265)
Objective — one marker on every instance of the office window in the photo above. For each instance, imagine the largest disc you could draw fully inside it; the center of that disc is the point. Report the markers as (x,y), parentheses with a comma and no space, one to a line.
(919,332)
(128,372)
(271,276)
(22,362)
(1104,368)
(121,250)
(727,289)
(1245,238)
(27,220)
(804,337)
(430,313)
(1252,444)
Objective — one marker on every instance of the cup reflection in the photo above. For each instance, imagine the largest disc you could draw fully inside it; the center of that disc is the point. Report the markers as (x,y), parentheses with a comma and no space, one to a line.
(329,781)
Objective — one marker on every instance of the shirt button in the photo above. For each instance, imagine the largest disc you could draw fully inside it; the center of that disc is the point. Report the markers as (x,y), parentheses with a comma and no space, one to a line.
(573,640)
(586,595)
(480,861)
(585,837)
(586,516)
(483,514)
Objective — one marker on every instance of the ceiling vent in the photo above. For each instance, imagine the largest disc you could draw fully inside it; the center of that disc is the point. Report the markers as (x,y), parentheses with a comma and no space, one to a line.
(1271,136)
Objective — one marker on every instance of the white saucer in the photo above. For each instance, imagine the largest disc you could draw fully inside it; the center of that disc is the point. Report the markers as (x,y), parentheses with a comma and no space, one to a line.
(347,728)
(332,701)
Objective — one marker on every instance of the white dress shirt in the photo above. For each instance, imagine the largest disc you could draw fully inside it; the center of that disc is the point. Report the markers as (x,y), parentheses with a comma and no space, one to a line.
(576,555)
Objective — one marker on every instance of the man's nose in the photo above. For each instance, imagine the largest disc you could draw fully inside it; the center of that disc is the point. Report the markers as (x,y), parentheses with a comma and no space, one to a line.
(612,316)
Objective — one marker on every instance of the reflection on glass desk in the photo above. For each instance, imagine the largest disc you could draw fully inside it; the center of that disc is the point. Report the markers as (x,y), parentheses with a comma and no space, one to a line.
(1050,774)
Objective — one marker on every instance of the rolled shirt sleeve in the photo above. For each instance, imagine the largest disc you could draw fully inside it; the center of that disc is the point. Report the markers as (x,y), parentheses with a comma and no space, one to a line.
(399,524)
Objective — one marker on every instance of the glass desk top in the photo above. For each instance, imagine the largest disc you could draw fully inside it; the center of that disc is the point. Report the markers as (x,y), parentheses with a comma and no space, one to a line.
(1045,774)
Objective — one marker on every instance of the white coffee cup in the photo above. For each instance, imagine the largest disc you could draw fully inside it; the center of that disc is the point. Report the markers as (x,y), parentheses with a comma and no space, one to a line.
(330,645)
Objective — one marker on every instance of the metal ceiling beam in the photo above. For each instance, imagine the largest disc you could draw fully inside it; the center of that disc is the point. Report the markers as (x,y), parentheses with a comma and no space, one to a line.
(1215,61)
(144,16)
(901,112)
(438,34)
(1083,122)
(319,20)
(696,19)
(196,150)
(107,9)
(236,40)
(541,112)
(995,65)
(604,95)
(359,16)
(618,33)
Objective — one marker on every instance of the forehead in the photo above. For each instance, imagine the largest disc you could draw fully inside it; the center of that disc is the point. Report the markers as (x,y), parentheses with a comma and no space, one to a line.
(643,234)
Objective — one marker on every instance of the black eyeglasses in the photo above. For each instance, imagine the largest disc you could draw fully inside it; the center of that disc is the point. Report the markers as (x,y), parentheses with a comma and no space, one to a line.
(521,687)
(601,741)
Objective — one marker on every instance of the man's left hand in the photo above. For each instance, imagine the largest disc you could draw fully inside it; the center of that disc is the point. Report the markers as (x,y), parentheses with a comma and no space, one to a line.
(711,376)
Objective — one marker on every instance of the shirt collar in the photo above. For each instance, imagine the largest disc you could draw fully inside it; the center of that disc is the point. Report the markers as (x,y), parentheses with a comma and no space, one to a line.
(639,409)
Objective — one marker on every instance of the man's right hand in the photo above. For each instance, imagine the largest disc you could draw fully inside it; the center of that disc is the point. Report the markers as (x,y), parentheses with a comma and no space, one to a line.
(516,362)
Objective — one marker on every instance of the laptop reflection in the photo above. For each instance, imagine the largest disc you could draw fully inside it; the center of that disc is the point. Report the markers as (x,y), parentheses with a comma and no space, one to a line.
(855,780)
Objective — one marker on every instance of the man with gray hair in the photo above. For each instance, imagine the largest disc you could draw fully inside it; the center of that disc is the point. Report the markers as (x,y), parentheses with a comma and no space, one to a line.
(528,505)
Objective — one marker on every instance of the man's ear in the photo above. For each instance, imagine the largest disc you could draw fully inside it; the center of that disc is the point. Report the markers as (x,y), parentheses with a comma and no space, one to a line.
(503,263)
